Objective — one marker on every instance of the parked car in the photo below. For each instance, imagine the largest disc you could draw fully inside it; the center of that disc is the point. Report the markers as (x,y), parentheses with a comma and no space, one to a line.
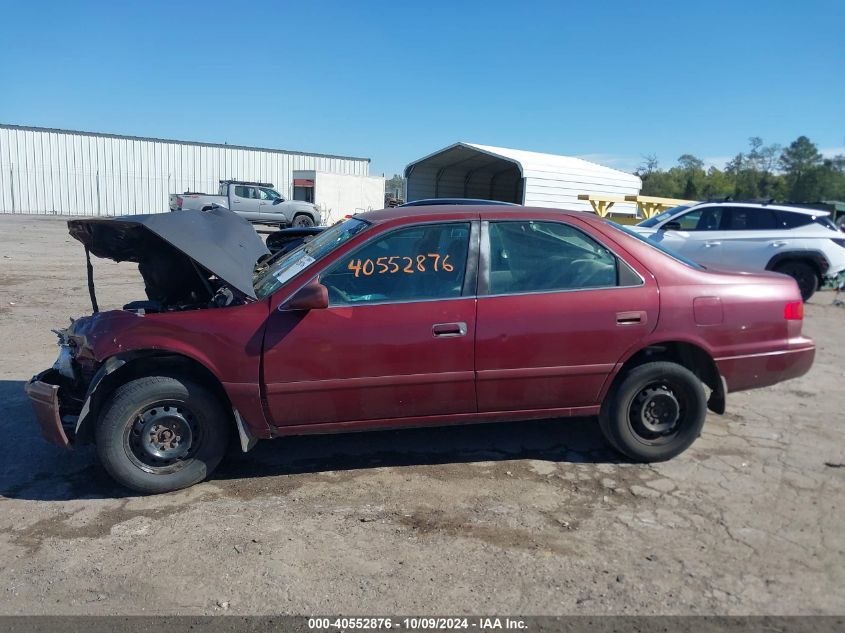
(284,240)
(401,318)
(799,242)
(287,239)
(257,202)
(460,201)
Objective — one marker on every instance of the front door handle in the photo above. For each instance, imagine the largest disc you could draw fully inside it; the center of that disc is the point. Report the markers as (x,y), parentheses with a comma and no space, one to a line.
(446,330)
(711,244)
(633,317)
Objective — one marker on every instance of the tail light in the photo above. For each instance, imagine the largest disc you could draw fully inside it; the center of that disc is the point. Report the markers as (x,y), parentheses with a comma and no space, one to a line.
(179,202)
(793,311)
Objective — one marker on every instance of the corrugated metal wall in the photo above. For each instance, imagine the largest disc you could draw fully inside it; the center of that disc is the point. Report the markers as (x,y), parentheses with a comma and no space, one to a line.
(561,190)
(79,173)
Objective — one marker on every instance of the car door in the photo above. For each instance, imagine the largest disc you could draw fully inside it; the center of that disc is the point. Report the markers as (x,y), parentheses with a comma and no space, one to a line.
(396,341)
(270,206)
(557,309)
(695,234)
(752,236)
(245,202)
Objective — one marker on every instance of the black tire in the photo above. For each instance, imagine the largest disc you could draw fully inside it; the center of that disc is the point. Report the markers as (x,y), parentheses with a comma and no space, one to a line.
(136,420)
(303,220)
(638,415)
(804,275)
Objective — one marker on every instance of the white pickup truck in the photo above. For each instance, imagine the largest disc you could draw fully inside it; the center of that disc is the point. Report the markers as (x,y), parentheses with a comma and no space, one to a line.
(257,202)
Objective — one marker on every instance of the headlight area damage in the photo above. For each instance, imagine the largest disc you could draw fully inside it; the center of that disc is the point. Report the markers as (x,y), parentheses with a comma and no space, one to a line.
(191,260)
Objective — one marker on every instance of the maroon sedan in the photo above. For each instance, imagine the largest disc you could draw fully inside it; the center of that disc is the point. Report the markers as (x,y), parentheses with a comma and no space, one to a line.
(401,318)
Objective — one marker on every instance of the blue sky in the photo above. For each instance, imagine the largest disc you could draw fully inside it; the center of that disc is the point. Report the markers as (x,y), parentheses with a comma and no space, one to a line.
(393,81)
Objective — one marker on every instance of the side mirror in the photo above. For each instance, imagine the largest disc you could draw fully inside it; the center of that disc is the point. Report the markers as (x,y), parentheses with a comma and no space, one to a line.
(278,200)
(671,226)
(314,296)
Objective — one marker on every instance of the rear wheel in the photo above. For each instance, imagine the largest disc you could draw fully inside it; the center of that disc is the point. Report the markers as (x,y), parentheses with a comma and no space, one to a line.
(161,433)
(803,274)
(303,220)
(655,412)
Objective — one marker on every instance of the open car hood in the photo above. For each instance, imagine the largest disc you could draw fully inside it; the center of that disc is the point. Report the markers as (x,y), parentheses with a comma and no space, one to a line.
(219,240)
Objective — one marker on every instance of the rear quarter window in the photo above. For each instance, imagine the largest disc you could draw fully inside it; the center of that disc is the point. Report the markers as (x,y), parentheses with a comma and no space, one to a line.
(789,220)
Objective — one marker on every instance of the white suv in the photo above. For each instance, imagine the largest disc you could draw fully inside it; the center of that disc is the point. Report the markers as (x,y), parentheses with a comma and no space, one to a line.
(802,243)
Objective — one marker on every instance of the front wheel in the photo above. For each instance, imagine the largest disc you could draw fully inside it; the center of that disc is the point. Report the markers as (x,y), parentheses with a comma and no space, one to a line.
(655,412)
(161,433)
(303,221)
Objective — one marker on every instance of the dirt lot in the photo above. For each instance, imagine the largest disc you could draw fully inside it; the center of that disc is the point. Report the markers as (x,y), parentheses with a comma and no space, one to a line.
(528,518)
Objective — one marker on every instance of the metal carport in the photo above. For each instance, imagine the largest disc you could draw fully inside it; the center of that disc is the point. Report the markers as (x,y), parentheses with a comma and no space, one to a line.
(469,170)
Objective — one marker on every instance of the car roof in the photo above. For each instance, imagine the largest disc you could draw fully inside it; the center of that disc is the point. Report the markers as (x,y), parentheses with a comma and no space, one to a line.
(760,205)
(426,213)
(455,201)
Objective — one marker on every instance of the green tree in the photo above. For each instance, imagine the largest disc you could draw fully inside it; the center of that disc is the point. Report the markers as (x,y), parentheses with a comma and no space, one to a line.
(692,175)
(717,184)
(798,173)
(800,162)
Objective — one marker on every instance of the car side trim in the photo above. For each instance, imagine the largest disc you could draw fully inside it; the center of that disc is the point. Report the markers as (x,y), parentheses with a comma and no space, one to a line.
(366,382)
(544,372)
(471,268)
(436,420)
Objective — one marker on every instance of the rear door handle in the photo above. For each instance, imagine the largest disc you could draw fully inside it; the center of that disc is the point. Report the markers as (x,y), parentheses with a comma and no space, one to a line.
(711,244)
(633,317)
(446,330)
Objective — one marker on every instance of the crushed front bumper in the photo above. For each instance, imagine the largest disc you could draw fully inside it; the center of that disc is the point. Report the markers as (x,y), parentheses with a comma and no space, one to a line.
(44,396)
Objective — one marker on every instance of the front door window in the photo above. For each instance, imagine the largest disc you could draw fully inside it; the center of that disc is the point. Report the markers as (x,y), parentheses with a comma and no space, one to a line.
(415,264)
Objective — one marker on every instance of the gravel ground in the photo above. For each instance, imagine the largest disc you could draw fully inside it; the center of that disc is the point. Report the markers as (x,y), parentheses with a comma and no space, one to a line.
(529,518)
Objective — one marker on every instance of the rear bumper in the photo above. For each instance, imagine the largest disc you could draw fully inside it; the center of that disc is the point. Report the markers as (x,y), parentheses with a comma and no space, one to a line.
(44,397)
(761,370)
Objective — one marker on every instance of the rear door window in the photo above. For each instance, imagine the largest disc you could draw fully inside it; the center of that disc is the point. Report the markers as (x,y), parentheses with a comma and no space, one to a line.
(535,256)
(750,219)
(245,192)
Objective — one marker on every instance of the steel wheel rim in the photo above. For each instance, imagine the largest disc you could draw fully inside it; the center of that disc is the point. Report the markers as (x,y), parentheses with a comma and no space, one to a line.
(162,437)
(657,412)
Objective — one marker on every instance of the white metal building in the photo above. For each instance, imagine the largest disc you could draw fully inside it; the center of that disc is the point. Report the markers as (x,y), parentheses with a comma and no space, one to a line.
(337,195)
(469,170)
(84,173)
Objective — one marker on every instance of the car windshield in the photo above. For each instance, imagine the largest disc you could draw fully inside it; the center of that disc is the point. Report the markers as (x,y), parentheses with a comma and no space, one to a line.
(271,274)
(663,215)
(659,247)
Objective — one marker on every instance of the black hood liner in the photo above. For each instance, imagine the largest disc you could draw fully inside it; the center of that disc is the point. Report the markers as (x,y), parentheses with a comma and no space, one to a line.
(218,240)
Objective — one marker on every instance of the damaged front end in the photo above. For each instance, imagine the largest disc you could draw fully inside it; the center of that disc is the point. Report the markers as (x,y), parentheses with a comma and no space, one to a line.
(192,260)
(59,394)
